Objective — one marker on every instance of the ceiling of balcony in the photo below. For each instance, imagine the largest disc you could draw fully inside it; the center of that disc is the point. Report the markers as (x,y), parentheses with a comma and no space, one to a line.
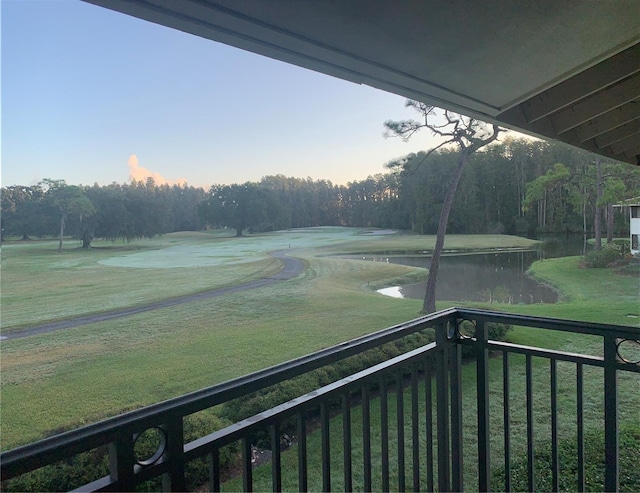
(566,70)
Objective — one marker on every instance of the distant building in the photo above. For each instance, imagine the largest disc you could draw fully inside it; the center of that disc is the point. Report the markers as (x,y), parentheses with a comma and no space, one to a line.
(634,222)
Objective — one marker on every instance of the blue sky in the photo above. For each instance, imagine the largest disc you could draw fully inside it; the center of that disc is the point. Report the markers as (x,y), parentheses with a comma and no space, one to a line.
(90,95)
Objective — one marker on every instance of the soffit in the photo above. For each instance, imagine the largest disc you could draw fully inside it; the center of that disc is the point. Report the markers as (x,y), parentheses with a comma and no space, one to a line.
(567,70)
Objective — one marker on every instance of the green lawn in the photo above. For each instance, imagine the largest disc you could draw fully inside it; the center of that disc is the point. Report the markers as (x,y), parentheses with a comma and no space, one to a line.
(40,285)
(595,295)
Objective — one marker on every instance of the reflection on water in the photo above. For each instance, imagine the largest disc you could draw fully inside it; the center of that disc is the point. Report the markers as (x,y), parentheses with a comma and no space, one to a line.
(393,292)
(555,245)
(493,277)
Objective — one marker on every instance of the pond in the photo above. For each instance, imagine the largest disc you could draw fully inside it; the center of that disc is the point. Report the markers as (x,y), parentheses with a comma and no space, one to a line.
(491,277)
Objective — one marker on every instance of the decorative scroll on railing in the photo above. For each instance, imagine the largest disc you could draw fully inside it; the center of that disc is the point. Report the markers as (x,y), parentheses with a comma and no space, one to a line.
(628,350)
(411,421)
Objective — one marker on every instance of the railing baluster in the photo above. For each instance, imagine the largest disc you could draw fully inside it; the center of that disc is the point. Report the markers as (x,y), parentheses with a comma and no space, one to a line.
(507,421)
(611,462)
(247,471)
(400,427)
(302,453)
(554,425)
(366,438)
(326,452)
(415,428)
(530,453)
(442,408)
(346,441)
(174,480)
(214,470)
(482,378)
(276,466)
(580,424)
(457,467)
(384,433)
(428,392)
(122,459)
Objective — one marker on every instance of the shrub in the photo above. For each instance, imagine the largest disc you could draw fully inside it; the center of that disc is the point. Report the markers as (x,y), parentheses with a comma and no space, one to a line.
(629,446)
(623,244)
(257,402)
(65,475)
(608,255)
(495,331)
(89,466)
(272,396)
(632,267)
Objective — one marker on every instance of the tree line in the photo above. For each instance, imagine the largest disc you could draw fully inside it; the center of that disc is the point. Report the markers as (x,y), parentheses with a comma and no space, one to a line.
(115,211)
(517,186)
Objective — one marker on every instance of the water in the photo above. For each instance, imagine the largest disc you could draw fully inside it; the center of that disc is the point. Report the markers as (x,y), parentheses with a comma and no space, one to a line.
(489,277)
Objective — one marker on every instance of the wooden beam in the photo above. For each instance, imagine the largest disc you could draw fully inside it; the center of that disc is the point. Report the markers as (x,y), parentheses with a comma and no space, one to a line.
(584,84)
(618,133)
(633,153)
(543,128)
(625,144)
(597,105)
(571,138)
(609,121)
(515,118)
(590,146)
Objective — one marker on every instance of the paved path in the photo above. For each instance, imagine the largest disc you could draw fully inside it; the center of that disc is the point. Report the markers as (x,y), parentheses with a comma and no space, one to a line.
(293,267)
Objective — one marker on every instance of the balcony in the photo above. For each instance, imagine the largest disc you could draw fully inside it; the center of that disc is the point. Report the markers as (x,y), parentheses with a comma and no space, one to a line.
(453,414)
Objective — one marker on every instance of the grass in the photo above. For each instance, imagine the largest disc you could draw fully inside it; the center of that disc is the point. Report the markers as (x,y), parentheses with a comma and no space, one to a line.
(578,284)
(39,285)
(72,377)
(118,275)
(80,375)
(402,244)
(592,241)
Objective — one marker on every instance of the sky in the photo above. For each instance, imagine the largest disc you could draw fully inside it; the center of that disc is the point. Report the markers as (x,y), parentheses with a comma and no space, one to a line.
(94,96)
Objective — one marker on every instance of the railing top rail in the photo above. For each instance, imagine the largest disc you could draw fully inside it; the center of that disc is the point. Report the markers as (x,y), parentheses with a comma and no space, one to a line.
(81,439)
(620,331)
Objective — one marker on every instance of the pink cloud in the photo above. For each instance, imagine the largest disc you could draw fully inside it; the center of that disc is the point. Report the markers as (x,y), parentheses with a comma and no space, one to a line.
(139,173)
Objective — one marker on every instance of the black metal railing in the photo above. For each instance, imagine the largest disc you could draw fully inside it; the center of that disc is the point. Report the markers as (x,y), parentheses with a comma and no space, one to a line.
(411,421)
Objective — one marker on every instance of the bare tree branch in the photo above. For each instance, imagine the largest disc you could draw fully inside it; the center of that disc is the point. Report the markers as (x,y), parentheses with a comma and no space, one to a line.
(404,162)
(469,135)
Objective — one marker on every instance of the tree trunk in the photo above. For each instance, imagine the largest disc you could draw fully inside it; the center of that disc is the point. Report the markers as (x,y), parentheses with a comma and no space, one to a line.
(61,234)
(86,241)
(597,220)
(609,223)
(429,305)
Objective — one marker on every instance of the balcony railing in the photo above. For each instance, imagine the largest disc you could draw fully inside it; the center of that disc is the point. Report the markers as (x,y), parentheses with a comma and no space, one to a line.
(411,421)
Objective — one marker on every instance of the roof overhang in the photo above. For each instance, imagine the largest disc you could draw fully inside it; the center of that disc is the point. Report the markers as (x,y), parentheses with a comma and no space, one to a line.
(633,202)
(566,70)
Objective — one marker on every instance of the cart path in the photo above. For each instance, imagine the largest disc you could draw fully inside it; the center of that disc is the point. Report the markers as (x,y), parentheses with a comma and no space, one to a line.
(292,267)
